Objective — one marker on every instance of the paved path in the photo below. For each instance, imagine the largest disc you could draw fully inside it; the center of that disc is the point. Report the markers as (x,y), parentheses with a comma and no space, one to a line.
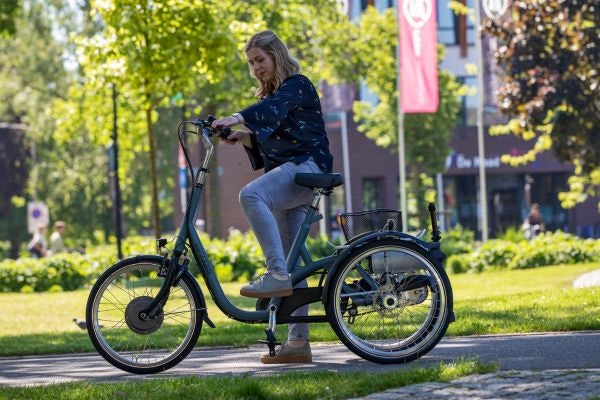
(579,350)
(550,385)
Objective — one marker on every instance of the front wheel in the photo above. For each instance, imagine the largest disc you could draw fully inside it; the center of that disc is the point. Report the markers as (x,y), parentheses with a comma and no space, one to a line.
(134,344)
(389,302)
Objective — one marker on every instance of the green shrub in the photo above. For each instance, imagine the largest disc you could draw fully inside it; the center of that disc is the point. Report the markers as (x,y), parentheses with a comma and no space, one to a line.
(55,289)
(556,248)
(4,249)
(493,254)
(513,235)
(320,246)
(546,249)
(65,270)
(240,251)
(26,289)
(458,263)
(457,241)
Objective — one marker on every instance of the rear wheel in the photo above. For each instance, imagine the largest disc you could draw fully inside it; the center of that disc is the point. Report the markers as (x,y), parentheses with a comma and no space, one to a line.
(389,302)
(134,344)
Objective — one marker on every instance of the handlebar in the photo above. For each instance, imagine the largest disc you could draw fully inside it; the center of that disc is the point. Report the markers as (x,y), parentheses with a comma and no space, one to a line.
(206,133)
(205,125)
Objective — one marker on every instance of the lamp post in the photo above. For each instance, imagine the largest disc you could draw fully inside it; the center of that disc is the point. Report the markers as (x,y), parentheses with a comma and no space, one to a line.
(115,171)
(480,134)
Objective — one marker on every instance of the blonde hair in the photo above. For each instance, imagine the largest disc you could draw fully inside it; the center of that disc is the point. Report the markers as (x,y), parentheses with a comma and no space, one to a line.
(285,64)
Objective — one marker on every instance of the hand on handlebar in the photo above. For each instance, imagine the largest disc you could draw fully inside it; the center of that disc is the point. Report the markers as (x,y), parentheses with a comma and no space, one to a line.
(225,121)
(234,137)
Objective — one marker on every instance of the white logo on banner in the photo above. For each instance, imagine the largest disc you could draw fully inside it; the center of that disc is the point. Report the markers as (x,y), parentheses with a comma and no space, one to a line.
(417,13)
(495,8)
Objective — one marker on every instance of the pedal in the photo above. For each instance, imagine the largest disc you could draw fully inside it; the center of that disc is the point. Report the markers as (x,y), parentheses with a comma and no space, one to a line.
(271,341)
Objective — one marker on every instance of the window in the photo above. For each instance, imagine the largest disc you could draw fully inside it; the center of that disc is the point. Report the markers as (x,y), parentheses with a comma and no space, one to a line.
(371,193)
(446,21)
(468,111)
(448,24)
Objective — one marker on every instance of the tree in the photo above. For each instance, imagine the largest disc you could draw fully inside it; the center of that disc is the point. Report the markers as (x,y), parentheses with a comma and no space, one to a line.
(372,57)
(307,30)
(550,53)
(151,51)
(32,75)
(8,12)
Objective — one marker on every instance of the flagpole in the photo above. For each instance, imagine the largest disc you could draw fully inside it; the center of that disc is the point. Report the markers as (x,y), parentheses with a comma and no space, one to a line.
(401,147)
(480,134)
(346,158)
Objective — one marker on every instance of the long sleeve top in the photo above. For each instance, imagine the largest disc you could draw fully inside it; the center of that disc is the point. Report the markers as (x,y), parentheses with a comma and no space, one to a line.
(289,126)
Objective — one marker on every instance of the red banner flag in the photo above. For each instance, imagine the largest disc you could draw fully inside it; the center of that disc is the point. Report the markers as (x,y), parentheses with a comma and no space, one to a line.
(418,56)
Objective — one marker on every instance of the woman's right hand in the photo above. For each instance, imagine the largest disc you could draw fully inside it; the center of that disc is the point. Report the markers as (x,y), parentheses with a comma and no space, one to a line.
(225,121)
(238,136)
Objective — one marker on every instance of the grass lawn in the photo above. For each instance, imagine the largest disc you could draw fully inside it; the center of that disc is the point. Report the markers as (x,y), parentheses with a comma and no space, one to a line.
(535,300)
(305,386)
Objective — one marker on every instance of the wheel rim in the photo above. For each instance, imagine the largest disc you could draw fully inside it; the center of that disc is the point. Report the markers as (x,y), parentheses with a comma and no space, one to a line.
(128,339)
(390,314)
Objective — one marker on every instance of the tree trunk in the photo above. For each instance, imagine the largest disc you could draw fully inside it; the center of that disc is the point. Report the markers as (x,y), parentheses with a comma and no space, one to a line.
(153,172)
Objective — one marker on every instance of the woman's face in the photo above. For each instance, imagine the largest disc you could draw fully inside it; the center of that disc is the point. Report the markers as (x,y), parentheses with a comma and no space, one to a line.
(261,63)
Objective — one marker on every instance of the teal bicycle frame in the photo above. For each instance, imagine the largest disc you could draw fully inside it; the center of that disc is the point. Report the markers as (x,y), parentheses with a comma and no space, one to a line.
(298,251)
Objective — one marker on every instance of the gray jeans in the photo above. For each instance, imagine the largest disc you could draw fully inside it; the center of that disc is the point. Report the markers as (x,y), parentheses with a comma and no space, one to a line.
(275,207)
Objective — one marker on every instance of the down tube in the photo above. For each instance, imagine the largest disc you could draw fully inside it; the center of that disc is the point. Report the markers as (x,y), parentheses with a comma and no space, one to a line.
(208,272)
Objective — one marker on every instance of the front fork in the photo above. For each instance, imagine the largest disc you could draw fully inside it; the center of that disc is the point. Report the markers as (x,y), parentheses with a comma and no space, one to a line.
(172,269)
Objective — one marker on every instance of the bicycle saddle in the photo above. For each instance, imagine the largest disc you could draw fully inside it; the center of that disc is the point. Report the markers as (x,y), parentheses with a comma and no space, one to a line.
(319,181)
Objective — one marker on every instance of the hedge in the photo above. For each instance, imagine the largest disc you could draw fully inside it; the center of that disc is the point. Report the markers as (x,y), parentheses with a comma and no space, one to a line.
(237,258)
(546,249)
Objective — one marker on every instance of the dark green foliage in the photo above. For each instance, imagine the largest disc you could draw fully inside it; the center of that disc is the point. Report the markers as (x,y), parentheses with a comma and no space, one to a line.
(550,52)
(8,11)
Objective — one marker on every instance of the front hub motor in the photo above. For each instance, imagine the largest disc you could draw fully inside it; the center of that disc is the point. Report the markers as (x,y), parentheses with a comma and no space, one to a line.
(137,324)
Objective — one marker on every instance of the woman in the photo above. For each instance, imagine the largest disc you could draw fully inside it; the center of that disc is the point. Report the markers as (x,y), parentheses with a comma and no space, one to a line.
(286,136)
(37,246)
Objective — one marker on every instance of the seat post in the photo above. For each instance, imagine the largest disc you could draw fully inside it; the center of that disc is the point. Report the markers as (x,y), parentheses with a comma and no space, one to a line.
(317,194)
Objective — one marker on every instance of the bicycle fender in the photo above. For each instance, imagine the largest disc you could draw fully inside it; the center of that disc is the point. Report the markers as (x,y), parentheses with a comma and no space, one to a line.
(360,242)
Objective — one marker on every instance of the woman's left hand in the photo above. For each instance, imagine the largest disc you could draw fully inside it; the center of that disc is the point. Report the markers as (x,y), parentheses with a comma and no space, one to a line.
(225,121)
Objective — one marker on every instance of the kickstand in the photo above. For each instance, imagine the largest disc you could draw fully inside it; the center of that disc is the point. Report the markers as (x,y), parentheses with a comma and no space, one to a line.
(271,341)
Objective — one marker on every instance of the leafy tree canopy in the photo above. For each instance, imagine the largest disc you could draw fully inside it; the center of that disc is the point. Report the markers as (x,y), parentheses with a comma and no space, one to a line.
(550,53)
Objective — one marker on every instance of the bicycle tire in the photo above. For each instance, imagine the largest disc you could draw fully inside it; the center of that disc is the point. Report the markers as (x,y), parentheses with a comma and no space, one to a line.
(395,319)
(132,344)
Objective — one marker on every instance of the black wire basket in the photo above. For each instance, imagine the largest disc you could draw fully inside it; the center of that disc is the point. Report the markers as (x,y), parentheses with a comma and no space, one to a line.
(359,223)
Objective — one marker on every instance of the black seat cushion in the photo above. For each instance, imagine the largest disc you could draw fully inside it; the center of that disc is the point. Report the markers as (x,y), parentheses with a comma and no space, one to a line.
(319,181)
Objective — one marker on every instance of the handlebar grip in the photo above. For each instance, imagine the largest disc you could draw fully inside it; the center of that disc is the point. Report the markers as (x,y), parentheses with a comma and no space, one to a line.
(225,132)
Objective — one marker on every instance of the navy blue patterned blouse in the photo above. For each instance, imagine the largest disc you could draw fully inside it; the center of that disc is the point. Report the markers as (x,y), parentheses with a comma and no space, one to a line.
(289,125)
